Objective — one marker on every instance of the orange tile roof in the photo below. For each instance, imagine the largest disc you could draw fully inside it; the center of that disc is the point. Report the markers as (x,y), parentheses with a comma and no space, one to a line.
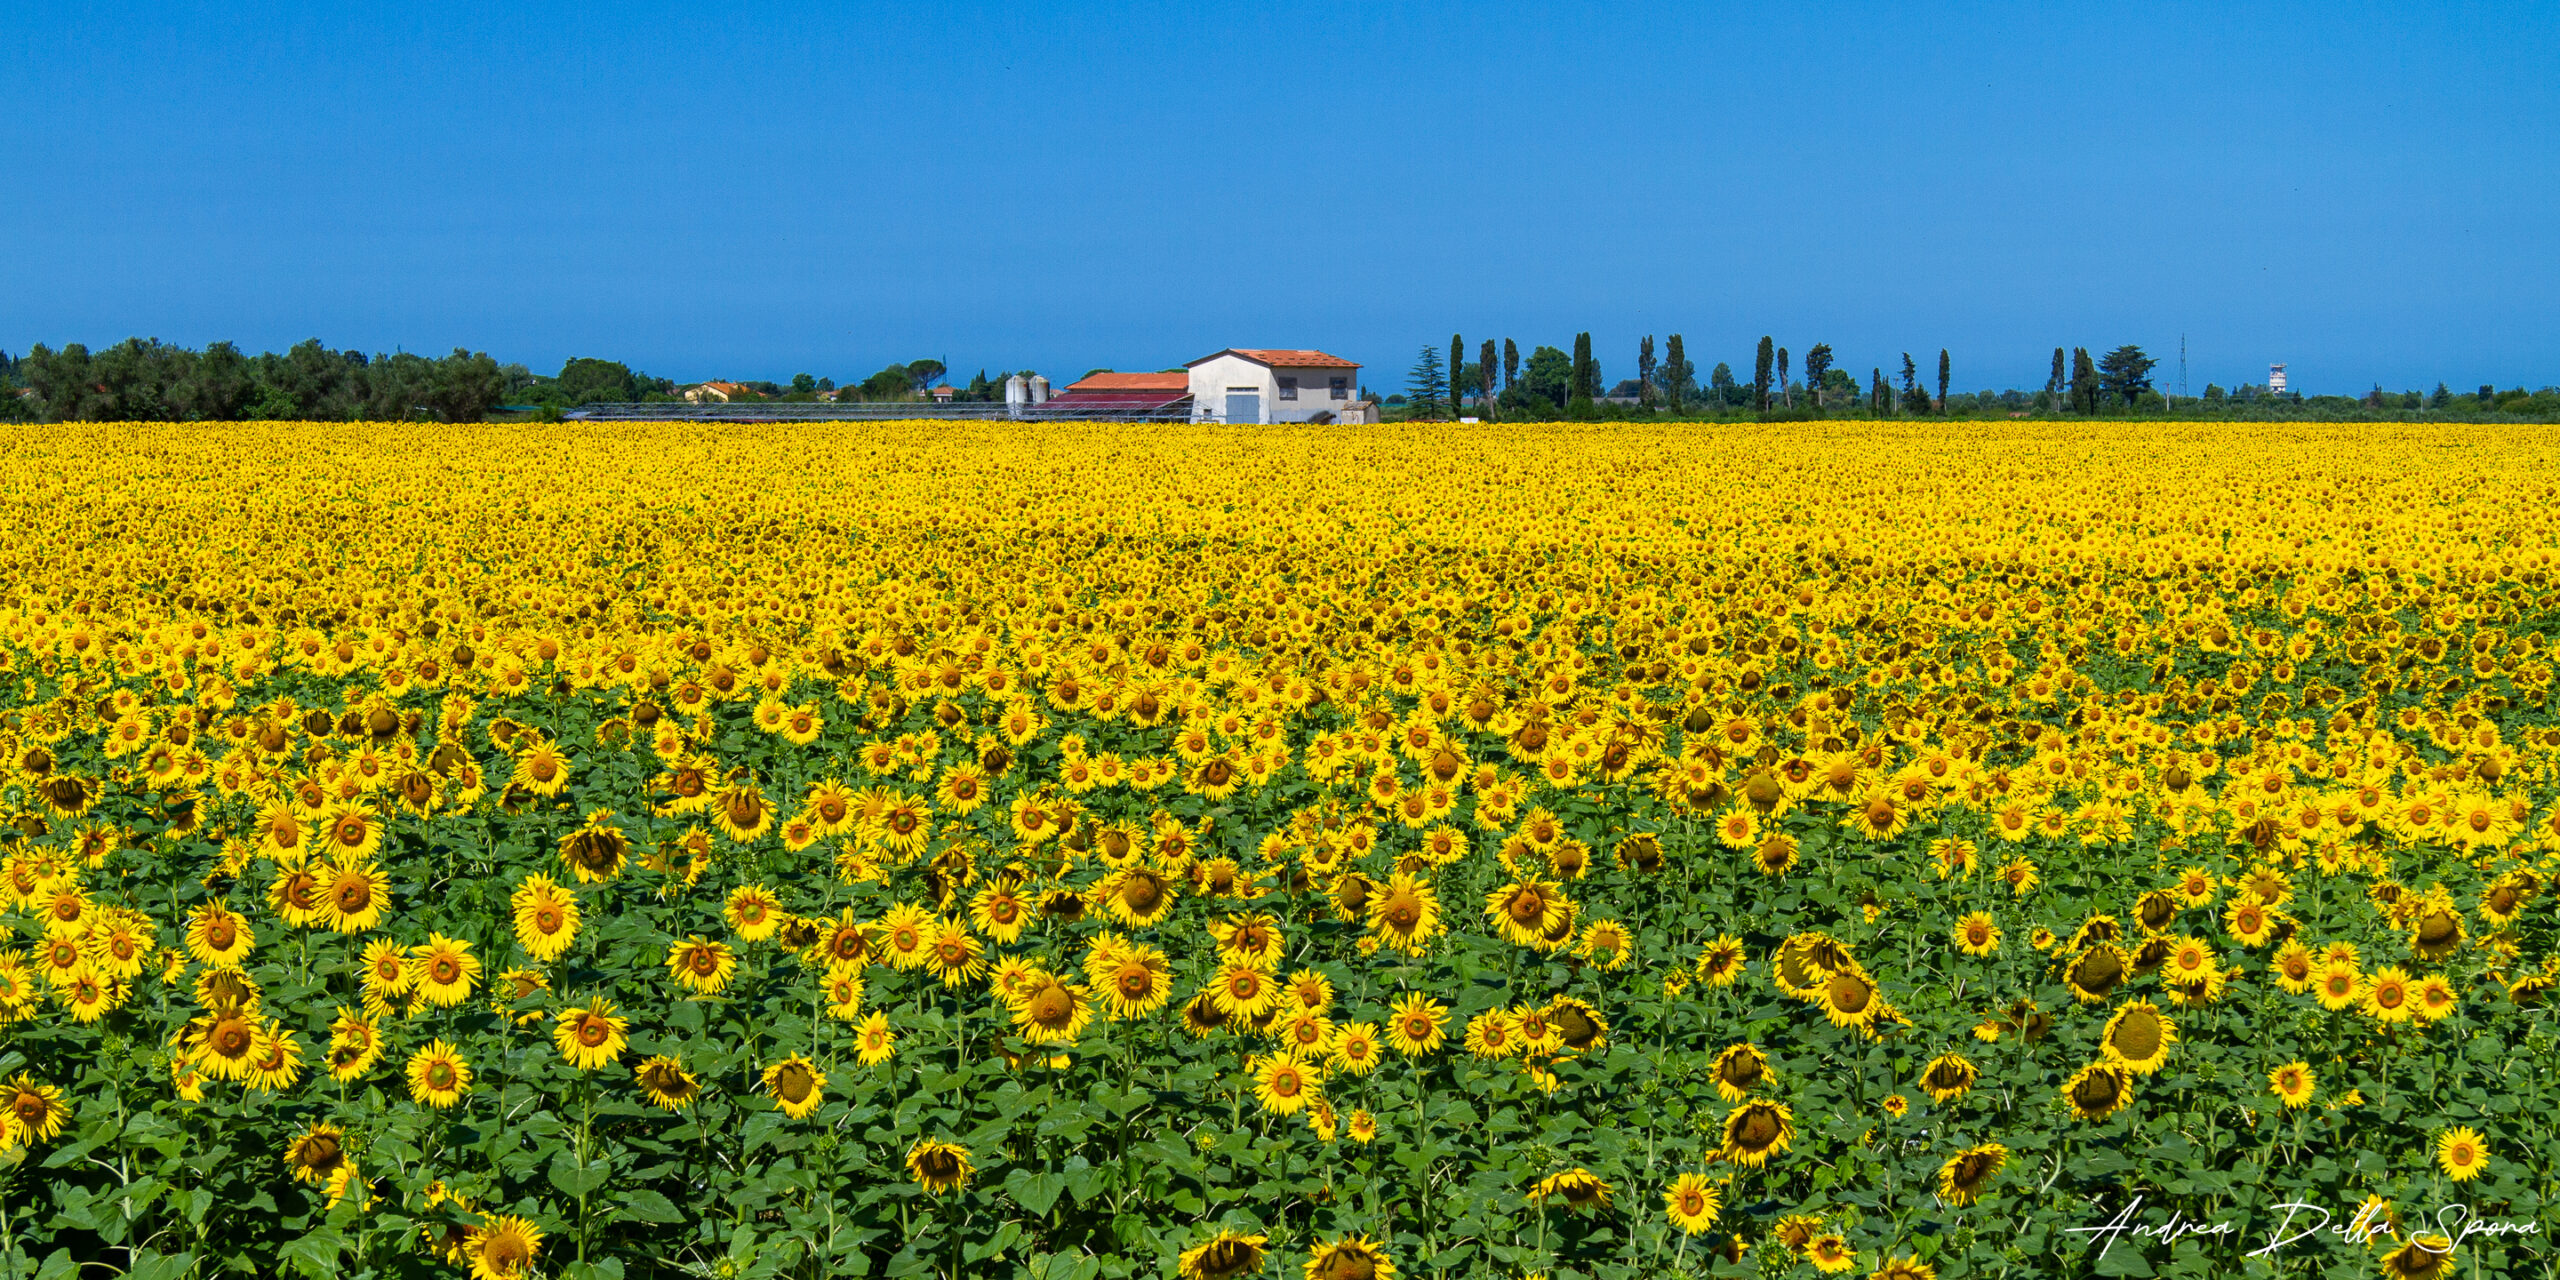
(1284,358)
(1176,381)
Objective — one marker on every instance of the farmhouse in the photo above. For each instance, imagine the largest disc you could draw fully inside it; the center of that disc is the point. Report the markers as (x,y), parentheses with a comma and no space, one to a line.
(1258,384)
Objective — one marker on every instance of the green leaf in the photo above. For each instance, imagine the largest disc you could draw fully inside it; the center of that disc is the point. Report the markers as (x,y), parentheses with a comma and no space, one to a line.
(316,1255)
(574,1179)
(1035,1191)
(648,1206)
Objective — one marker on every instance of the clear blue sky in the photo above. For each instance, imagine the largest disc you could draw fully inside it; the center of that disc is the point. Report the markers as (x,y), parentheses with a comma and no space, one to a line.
(2365,191)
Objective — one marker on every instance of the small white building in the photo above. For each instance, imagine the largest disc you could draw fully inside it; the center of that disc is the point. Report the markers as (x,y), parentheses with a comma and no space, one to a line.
(1262,384)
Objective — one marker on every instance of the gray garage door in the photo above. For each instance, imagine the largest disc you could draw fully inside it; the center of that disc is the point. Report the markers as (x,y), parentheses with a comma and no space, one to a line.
(1244,406)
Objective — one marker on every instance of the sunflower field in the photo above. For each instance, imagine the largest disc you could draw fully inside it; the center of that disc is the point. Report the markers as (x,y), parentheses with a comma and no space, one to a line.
(954,849)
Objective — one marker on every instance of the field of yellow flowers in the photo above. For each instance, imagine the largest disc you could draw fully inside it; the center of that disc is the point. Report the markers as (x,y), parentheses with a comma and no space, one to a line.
(1412,851)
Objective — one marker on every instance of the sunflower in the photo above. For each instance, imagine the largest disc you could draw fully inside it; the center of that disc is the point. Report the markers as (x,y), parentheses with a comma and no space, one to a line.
(1252,939)
(1136,896)
(1243,993)
(546,917)
(2292,966)
(2138,1037)
(1417,1025)
(1738,1070)
(355,1044)
(796,1085)
(741,811)
(1354,1257)
(1227,1254)
(1721,961)
(317,1153)
(955,955)
(1691,1203)
(2293,1083)
(2425,1257)
(1284,1085)
(1830,1253)
(1849,997)
(597,850)
(1606,944)
(1404,914)
(1756,1130)
(1138,982)
(2098,1090)
(874,1041)
(1948,1077)
(2462,1154)
(939,1166)
(443,971)
(2436,998)
(1354,1048)
(1976,935)
(665,1083)
(701,965)
(2338,984)
(591,1037)
(350,832)
(1962,1178)
(752,912)
(2389,996)
(35,1111)
(2096,972)
(2251,923)
(1527,911)
(2437,932)
(1580,1189)
(905,937)
(504,1249)
(437,1075)
(1051,1012)
(218,935)
(1904,1268)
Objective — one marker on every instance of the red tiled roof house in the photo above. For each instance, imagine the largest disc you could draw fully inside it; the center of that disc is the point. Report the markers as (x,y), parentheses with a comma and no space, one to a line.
(1263,384)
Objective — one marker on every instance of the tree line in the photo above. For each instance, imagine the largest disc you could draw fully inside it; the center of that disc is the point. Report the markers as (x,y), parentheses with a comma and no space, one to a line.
(1497,384)
(147,380)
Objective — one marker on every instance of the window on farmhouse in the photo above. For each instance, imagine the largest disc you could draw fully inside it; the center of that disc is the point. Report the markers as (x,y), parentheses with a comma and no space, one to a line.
(1288,388)
(1342,388)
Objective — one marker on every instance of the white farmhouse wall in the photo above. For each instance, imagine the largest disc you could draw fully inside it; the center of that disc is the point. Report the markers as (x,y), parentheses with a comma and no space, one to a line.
(1212,379)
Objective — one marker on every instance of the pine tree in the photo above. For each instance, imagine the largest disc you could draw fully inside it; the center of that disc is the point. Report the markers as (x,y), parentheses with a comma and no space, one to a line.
(1644,372)
(1427,384)
(1676,368)
(1760,375)
(1817,366)
(1942,379)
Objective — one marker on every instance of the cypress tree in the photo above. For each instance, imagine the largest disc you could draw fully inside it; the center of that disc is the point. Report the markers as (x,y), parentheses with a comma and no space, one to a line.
(1484,380)
(1586,375)
(1457,370)
(1678,370)
(1785,397)
(1510,363)
(1644,372)
(1760,375)
(1942,379)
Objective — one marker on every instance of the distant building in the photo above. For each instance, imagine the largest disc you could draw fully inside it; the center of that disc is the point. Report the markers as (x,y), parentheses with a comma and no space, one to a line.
(1112,395)
(1262,384)
(716,392)
(2275,379)
(942,393)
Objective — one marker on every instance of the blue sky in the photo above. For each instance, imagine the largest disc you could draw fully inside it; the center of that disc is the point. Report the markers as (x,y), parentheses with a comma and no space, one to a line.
(2363,191)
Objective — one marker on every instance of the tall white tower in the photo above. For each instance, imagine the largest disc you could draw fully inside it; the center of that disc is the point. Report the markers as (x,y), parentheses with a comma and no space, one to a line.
(2275,379)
